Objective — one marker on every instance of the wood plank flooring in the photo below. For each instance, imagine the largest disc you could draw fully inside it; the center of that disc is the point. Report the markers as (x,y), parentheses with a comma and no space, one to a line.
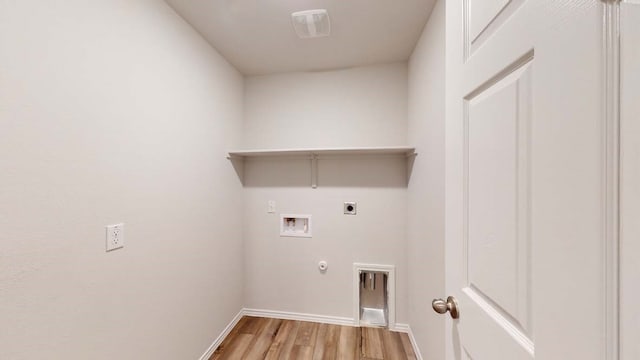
(255,338)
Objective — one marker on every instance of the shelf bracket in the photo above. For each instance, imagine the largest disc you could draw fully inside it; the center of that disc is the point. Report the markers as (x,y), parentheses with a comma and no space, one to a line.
(314,171)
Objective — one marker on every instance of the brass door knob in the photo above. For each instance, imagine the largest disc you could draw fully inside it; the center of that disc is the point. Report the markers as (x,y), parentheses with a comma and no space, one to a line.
(451,305)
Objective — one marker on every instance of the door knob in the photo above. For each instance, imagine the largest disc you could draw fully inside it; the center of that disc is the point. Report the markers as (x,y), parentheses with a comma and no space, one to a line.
(451,305)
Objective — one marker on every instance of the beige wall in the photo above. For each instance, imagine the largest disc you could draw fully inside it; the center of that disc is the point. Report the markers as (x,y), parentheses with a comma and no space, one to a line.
(425,231)
(363,106)
(115,111)
(355,107)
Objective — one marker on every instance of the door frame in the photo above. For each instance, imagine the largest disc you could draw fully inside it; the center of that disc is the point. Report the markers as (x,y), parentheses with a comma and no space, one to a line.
(629,205)
(612,175)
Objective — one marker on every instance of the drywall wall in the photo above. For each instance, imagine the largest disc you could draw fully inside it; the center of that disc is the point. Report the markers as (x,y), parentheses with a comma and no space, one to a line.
(115,111)
(426,201)
(364,106)
(354,107)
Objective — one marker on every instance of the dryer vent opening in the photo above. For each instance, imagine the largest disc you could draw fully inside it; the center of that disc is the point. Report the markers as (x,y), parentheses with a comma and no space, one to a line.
(374,298)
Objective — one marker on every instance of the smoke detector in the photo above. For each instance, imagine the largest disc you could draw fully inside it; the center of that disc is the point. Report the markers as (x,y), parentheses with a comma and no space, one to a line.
(311,23)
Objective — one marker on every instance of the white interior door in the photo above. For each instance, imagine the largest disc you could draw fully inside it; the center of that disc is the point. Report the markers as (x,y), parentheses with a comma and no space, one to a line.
(630,181)
(526,187)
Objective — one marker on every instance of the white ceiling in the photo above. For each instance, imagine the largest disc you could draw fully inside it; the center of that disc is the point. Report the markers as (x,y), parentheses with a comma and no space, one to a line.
(257,37)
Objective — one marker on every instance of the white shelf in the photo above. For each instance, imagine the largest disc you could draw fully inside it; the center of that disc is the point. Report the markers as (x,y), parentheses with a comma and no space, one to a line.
(392,150)
(237,157)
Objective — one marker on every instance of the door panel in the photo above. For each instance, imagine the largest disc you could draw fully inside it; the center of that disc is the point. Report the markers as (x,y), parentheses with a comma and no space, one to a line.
(481,13)
(482,18)
(498,251)
(524,179)
(488,334)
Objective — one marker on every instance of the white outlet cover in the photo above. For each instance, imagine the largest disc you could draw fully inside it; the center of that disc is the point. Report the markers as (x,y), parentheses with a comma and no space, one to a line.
(115,236)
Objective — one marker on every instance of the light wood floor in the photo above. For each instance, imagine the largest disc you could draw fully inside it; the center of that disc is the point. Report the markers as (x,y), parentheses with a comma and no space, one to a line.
(256,338)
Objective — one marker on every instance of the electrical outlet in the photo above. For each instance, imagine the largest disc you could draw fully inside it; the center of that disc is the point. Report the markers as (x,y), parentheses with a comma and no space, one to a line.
(115,236)
(350,208)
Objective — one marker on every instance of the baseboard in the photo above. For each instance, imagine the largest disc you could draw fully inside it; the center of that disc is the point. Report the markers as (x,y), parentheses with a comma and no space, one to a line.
(403,328)
(416,349)
(222,335)
(285,315)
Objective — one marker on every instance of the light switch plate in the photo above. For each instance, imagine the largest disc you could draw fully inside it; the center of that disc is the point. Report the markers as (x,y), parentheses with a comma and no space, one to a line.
(115,236)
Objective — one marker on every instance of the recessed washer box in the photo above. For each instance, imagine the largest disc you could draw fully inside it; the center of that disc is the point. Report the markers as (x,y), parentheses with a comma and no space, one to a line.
(295,225)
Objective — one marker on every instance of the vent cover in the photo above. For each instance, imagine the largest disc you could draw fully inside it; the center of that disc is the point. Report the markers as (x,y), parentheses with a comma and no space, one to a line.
(311,23)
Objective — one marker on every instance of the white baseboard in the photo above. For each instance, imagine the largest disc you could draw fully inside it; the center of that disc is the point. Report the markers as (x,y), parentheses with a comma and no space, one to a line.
(416,349)
(222,335)
(403,328)
(285,315)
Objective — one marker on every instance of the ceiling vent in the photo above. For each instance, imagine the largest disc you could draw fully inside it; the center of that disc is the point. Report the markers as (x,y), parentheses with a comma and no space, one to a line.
(311,23)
